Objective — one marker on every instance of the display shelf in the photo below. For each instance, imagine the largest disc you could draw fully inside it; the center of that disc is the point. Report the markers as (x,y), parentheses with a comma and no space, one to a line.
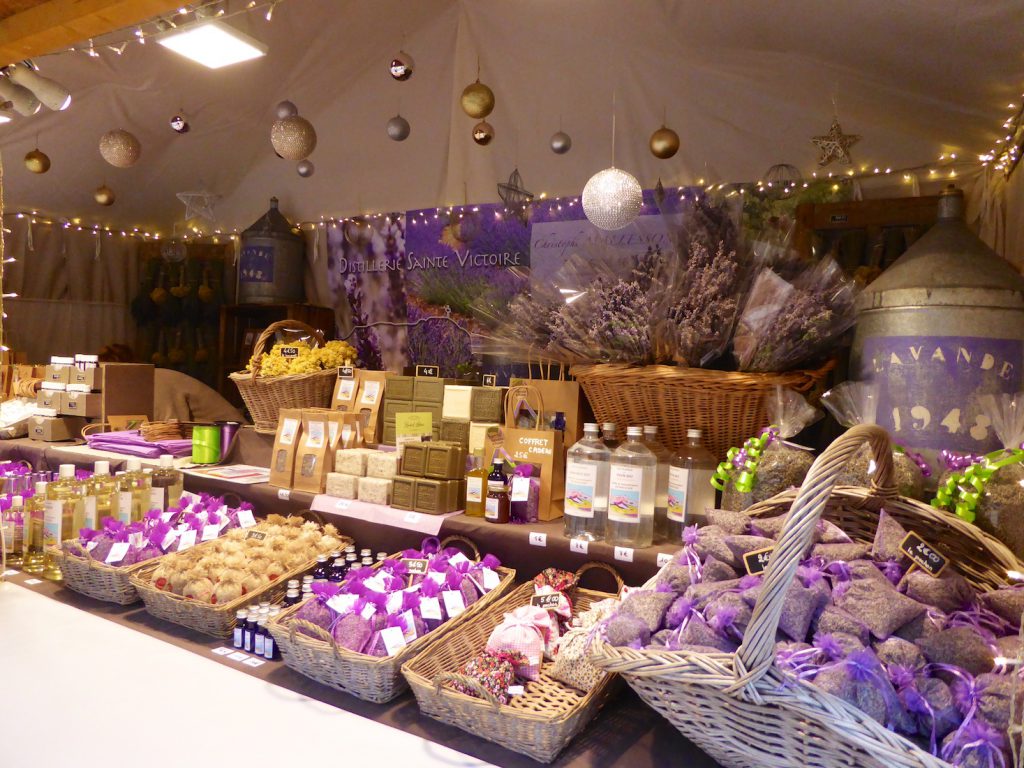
(429,525)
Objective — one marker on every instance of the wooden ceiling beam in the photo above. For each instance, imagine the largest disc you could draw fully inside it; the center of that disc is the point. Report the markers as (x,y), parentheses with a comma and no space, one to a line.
(57,24)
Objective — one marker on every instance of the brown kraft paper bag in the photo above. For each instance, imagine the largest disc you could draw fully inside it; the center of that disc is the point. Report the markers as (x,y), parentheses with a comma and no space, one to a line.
(286,443)
(544,449)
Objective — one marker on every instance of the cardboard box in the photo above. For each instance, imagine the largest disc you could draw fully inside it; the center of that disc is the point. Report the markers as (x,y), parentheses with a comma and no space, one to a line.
(127,390)
(286,444)
(54,429)
(87,377)
(86,404)
(59,373)
(48,398)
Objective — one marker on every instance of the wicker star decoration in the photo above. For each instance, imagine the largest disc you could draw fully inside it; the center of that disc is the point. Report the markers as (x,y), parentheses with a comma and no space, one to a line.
(515,197)
(835,145)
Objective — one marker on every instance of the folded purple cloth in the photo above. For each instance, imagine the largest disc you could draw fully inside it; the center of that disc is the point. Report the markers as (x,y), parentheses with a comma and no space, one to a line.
(130,442)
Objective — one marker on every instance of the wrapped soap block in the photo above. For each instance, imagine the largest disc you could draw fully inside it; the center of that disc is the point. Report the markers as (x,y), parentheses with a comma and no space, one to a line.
(342,486)
(375,490)
(457,399)
(351,461)
(382,464)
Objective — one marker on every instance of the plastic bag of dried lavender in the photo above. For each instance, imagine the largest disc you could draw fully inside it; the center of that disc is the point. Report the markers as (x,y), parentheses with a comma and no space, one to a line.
(856,402)
(767,465)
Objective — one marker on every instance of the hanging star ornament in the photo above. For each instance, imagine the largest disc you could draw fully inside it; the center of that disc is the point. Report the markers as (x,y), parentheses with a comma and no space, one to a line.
(835,145)
(515,197)
(199,205)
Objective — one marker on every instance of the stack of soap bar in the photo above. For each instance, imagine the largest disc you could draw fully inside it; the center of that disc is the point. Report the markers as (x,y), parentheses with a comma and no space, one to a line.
(351,461)
(401,387)
(488,404)
(382,464)
(414,459)
(455,431)
(342,486)
(445,461)
(457,400)
(403,492)
(437,497)
(375,490)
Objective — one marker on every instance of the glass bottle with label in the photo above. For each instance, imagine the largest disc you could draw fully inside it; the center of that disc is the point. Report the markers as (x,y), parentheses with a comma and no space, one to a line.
(101,495)
(690,493)
(586,487)
(476,483)
(632,477)
(167,485)
(322,571)
(12,520)
(610,435)
(133,493)
(62,506)
(497,504)
(34,513)
(664,457)
(236,638)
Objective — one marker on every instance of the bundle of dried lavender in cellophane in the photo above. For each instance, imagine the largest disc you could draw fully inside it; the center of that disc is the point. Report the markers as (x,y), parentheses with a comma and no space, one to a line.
(782,465)
(856,402)
(790,324)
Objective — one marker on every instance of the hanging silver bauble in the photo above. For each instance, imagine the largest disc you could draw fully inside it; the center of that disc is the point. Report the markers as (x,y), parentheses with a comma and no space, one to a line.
(561,143)
(612,199)
(120,148)
(398,128)
(401,66)
(305,168)
(294,138)
(483,133)
(179,123)
(286,109)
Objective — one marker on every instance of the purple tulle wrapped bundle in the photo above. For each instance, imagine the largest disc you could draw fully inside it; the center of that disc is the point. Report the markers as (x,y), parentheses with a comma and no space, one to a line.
(352,631)
(315,610)
(376,646)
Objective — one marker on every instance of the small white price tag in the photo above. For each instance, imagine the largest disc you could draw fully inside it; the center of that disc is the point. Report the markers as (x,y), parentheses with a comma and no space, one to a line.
(538,539)
(430,608)
(117,552)
(520,489)
(625,554)
(238,656)
(580,546)
(664,558)
(368,611)
(412,517)
(187,540)
(223,651)
(376,583)
(91,546)
(458,558)
(491,578)
(284,494)
(394,639)
(33,582)
(254,662)
(436,576)
(342,604)
(135,539)
(166,516)
(10,573)
(168,539)
(516,690)
(211,531)
(394,602)
(453,603)
(245,518)
(343,504)
(410,626)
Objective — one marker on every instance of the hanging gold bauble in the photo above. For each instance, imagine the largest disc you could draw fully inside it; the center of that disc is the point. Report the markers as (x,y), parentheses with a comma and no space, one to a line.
(37,161)
(483,132)
(104,195)
(664,143)
(477,100)
(294,138)
(120,148)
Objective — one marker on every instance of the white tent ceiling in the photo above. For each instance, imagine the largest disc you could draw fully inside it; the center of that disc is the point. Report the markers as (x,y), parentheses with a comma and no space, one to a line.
(745,83)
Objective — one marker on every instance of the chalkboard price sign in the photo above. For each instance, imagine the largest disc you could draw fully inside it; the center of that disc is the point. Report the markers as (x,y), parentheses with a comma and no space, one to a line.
(757,562)
(923,554)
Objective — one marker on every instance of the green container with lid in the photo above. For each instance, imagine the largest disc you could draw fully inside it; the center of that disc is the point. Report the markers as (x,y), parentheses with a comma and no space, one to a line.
(206,444)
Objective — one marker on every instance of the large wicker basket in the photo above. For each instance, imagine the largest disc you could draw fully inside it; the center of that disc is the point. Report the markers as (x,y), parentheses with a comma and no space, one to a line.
(216,620)
(96,579)
(727,406)
(739,707)
(371,678)
(542,721)
(265,396)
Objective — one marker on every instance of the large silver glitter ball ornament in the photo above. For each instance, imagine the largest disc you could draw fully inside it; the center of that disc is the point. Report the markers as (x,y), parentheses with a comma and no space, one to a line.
(398,128)
(401,66)
(483,133)
(104,195)
(286,109)
(120,148)
(561,143)
(294,138)
(305,168)
(612,199)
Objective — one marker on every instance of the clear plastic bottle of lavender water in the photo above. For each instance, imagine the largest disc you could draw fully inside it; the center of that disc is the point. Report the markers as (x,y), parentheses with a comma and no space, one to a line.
(586,487)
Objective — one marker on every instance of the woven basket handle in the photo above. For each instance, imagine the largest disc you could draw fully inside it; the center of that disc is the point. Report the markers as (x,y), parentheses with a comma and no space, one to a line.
(260,346)
(318,631)
(470,682)
(757,653)
(456,539)
(596,566)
